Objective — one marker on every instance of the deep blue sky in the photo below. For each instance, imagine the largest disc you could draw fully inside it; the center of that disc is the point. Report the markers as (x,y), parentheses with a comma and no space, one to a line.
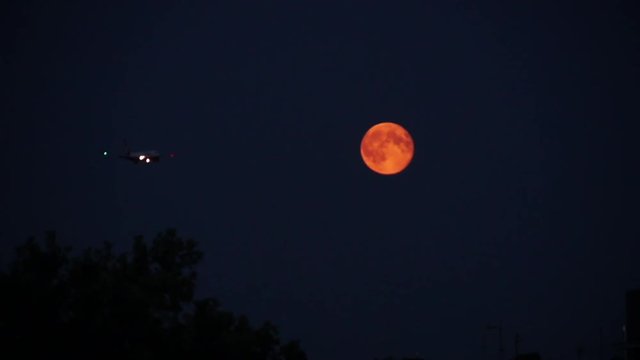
(521,204)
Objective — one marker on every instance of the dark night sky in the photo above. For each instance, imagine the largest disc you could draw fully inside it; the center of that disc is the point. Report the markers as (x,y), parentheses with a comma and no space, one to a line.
(521,204)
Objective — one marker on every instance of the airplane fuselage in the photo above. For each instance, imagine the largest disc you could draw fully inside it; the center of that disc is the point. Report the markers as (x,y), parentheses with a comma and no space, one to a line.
(142,157)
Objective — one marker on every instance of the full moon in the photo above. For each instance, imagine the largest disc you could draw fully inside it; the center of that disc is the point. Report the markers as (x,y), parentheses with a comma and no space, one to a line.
(387,148)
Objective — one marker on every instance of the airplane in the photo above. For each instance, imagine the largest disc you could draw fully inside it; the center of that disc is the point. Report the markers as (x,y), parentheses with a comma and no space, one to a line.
(140,157)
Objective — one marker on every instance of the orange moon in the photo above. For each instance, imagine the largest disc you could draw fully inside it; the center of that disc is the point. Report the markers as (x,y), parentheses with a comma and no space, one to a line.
(387,148)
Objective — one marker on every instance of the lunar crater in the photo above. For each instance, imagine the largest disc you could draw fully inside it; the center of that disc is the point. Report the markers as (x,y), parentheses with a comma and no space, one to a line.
(387,148)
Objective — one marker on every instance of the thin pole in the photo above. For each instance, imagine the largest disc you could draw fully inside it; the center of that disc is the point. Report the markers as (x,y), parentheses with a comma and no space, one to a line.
(601,345)
(501,344)
(484,345)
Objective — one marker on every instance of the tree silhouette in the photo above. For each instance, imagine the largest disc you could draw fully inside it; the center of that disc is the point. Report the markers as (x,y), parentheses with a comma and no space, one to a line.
(530,356)
(141,305)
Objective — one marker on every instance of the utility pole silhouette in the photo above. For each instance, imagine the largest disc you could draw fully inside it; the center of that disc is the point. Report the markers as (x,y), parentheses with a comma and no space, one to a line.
(601,344)
(501,348)
(579,352)
(484,345)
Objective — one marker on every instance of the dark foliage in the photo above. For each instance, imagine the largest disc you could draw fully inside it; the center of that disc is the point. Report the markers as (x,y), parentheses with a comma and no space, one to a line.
(531,356)
(102,305)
